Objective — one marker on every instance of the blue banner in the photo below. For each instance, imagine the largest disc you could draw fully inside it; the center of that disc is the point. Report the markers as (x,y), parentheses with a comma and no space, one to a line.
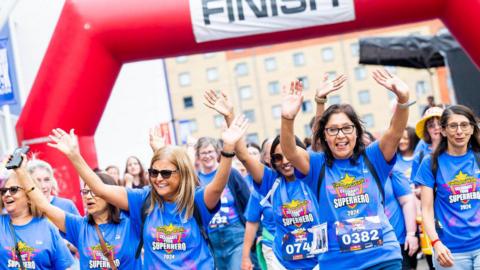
(6,89)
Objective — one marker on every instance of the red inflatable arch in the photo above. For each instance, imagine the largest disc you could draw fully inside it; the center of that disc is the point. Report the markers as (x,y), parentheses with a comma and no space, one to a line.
(94,38)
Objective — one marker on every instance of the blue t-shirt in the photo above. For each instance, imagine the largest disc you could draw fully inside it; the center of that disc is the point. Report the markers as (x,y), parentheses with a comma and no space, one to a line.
(255,212)
(348,196)
(249,180)
(41,246)
(457,199)
(227,214)
(295,209)
(170,241)
(120,238)
(404,166)
(67,206)
(396,186)
(422,150)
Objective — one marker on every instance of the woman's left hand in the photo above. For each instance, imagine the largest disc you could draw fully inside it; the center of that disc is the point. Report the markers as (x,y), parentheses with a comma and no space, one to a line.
(392,83)
(411,244)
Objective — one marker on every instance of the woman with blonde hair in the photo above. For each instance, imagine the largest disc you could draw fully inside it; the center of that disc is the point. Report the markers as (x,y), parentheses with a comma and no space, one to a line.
(28,240)
(172,211)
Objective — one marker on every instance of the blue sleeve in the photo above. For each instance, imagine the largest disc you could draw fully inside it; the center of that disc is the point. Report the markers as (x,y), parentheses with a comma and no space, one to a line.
(424,176)
(73,224)
(317,159)
(73,208)
(62,257)
(269,176)
(400,184)
(415,165)
(253,213)
(375,155)
(206,214)
(136,198)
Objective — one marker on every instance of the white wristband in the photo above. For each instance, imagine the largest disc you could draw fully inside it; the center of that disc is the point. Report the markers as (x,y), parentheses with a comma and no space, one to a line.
(406,105)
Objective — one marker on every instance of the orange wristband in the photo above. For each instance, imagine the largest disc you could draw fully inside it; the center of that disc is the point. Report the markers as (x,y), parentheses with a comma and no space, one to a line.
(435,241)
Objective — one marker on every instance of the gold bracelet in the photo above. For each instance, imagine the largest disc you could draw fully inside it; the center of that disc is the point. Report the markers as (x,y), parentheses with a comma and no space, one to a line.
(320,100)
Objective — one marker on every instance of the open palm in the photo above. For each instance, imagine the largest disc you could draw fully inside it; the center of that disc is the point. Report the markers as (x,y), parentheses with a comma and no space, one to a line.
(392,83)
(292,100)
(155,138)
(330,86)
(218,102)
(67,143)
(236,130)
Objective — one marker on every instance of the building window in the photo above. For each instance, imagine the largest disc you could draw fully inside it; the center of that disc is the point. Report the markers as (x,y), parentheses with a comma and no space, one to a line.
(212,74)
(245,92)
(327,54)
(368,120)
(252,138)
(208,55)
(250,115)
(305,82)
(391,69)
(364,97)
(241,69)
(355,49)
(360,73)
(421,88)
(277,111)
(184,79)
(270,64)
(298,59)
(307,106)
(335,99)
(181,59)
(332,75)
(218,121)
(273,88)
(188,102)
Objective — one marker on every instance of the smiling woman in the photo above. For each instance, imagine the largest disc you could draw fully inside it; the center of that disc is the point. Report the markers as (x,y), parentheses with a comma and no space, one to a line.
(19,232)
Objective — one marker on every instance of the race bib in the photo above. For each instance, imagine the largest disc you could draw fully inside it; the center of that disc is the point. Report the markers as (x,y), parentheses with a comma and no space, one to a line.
(305,243)
(220,219)
(359,233)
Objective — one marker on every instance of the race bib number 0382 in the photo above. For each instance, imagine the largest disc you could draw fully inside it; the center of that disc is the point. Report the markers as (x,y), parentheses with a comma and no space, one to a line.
(359,233)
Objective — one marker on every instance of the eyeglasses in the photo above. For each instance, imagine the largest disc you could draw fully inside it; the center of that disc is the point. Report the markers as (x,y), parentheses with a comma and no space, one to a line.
(85,191)
(277,158)
(13,190)
(153,173)
(464,126)
(206,153)
(345,130)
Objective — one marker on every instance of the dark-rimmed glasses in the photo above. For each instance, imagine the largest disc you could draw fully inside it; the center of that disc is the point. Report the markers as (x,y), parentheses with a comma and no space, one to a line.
(85,191)
(345,130)
(464,126)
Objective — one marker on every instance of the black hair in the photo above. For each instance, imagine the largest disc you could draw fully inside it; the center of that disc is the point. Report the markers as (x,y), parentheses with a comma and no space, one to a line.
(276,143)
(113,211)
(254,145)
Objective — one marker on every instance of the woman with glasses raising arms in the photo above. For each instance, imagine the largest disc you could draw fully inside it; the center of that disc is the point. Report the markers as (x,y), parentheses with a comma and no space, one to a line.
(28,241)
(348,179)
(450,191)
(104,223)
(164,211)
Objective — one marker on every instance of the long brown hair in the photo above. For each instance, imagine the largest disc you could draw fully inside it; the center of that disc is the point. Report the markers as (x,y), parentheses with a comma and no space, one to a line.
(185,194)
(142,175)
(113,211)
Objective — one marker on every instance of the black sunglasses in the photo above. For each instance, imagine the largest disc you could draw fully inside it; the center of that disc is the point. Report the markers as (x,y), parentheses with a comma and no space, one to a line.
(153,173)
(13,190)
(277,158)
(85,191)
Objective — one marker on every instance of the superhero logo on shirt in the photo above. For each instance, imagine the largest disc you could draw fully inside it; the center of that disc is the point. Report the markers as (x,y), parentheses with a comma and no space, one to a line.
(99,261)
(27,254)
(296,213)
(169,239)
(350,192)
(463,188)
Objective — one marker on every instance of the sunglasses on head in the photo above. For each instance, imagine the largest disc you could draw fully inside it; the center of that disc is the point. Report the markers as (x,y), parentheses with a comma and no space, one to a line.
(13,190)
(153,173)
(277,158)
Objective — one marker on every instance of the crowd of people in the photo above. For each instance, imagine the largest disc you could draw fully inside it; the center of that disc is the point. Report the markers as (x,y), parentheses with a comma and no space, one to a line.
(341,199)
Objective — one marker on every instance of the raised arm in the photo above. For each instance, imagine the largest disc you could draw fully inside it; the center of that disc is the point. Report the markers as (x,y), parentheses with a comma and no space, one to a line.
(398,123)
(34,193)
(291,104)
(155,139)
(213,191)
(68,145)
(221,104)
(325,89)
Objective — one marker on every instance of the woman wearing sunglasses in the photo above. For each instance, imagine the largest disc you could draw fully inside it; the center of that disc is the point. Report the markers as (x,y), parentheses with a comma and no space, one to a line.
(348,179)
(119,236)
(172,238)
(28,241)
(450,191)
(294,206)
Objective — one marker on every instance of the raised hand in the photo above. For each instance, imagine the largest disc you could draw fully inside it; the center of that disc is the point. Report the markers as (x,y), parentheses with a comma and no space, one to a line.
(292,100)
(218,102)
(236,130)
(330,86)
(392,83)
(155,139)
(67,143)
